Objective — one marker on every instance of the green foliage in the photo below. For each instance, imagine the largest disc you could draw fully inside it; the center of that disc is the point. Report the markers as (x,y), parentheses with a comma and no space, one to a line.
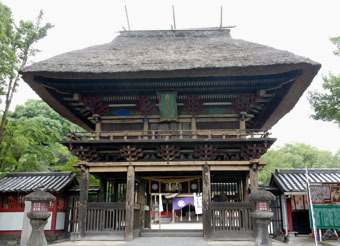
(31,142)
(37,109)
(8,56)
(336,42)
(327,105)
(297,155)
(16,46)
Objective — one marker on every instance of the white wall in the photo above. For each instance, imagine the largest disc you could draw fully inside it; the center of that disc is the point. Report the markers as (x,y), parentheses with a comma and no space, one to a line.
(60,224)
(12,221)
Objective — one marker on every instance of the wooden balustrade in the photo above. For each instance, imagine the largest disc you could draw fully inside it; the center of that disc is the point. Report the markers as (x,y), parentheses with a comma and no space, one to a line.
(230,217)
(105,216)
(170,134)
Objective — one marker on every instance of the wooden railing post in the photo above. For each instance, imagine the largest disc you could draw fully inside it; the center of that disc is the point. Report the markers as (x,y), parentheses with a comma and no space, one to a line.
(83,197)
(194,127)
(206,197)
(129,205)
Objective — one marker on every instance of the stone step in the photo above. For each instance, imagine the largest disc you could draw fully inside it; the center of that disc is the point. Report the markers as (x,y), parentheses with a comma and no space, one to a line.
(172,233)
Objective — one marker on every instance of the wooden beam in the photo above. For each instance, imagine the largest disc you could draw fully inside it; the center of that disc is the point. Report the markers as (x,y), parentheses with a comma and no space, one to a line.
(207,208)
(129,205)
(94,169)
(83,197)
(229,168)
(166,169)
(165,163)
(183,116)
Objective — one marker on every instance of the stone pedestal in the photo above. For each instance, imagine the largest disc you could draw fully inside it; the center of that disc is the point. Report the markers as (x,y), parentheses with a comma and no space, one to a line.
(38,221)
(262,216)
(38,215)
(262,220)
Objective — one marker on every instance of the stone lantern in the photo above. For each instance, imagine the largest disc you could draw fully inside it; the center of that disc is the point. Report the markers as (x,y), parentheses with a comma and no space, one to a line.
(38,215)
(262,216)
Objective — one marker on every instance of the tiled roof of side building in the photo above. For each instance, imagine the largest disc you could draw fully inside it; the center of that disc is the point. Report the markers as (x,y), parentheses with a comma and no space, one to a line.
(29,181)
(294,180)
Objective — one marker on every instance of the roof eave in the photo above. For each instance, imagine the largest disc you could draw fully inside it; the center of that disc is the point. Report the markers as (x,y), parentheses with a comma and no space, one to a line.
(53,103)
(309,70)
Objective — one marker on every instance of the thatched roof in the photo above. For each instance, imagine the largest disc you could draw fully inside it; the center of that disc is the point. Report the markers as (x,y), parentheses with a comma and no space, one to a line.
(137,51)
(173,54)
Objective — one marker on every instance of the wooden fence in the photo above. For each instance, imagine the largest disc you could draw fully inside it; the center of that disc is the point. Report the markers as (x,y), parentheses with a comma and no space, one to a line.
(231,217)
(103,216)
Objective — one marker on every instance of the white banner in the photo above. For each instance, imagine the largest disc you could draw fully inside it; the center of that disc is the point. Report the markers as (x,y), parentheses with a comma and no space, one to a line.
(198,203)
(160,203)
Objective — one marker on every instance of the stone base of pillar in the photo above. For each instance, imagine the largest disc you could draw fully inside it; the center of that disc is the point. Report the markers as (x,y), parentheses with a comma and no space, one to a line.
(75,236)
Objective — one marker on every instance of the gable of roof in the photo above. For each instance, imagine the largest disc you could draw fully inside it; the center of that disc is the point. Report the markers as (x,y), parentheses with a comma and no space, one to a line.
(294,180)
(28,182)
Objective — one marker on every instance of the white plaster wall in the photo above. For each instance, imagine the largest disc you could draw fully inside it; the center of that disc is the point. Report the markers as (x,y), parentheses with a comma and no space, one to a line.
(48,226)
(60,223)
(10,221)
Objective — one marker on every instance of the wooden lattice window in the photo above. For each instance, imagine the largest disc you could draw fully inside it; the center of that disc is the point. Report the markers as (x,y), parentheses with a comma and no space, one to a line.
(20,201)
(6,202)
(61,204)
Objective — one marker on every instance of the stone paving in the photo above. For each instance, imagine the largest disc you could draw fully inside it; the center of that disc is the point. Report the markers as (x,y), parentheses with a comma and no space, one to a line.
(190,241)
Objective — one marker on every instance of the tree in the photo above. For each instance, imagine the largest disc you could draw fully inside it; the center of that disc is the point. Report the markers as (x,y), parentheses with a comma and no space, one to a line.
(39,109)
(297,155)
(327,105)
(16,46)
(31,141)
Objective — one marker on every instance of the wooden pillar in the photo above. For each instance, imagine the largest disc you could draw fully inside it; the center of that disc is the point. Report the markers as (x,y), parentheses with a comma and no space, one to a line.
(129,205)
(148,212)
(146,128)
(289,215)
(54,213)
(253,177)
(83,197)
(206,197)
(141,201)
(246,188)
(102,190)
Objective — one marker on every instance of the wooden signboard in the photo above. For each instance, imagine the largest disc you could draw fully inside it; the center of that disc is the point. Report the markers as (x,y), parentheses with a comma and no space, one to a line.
(168,106)
(325,193)
(326,216)
(326,204)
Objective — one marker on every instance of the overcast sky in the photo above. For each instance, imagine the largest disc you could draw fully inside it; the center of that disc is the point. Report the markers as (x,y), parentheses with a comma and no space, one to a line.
(299,26)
